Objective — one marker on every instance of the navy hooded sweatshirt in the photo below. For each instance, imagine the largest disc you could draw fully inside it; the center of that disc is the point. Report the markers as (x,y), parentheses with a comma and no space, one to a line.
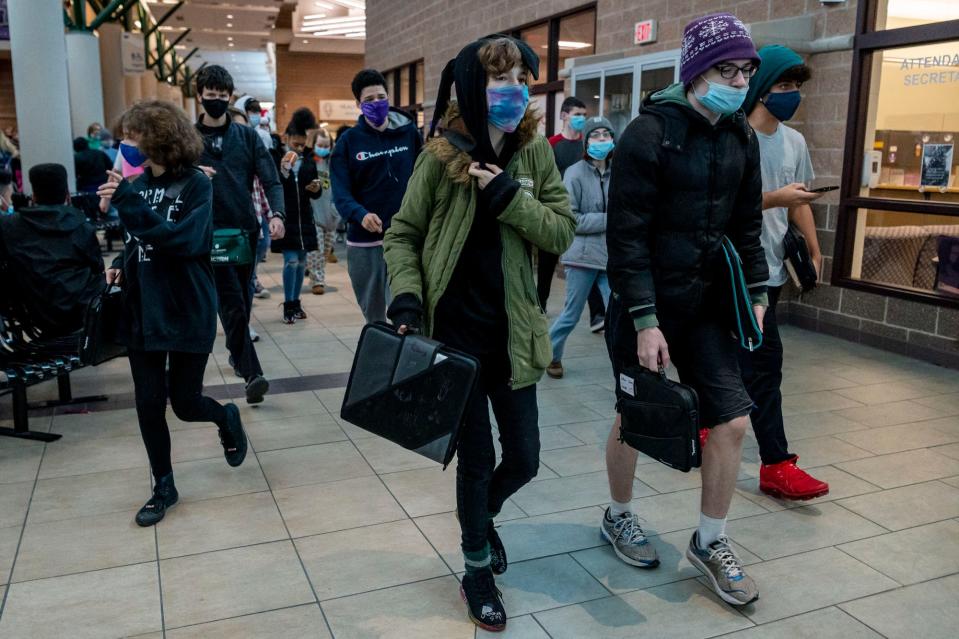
(369,171)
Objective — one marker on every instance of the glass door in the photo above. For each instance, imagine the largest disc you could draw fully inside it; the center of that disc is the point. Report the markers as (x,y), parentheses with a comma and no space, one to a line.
(618,98)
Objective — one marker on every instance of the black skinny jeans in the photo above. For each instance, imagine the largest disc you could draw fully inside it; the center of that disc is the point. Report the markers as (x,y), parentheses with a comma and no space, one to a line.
(763,376)
(184,385)
(235,302)
(482,490)
(545,268)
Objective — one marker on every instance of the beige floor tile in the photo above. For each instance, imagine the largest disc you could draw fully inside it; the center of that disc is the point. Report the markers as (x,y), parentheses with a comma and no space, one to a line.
(425,491)
(298,622)
(797,530)
(899,469)
(841,485)
(801,583)
(95,425)
(680,510)
(9,539)
(369,558)
(912,555)
(908,506)
(664,479)
(619,577)
(577,460)
(277,407)
(524,627)
(88,495)
(809,425)
(14,501)
(828,623)
(683,610)
(212,478)
(948,425)
(895,391)
(554,438)
(950,450)
(823,451)
(928,610)
(559,415)
(313,465)
(118,602)
(84,456)
(216,524)
(19,460)
(879,415)
(816,402)
(551,534)
(322,508)
(196,443)
(947,403)
(894,439)
(294,431)
(425,610)
(50,549)
(952,481)
(386,457)
(543,584)
(592,432)
(568,493)
(228,583)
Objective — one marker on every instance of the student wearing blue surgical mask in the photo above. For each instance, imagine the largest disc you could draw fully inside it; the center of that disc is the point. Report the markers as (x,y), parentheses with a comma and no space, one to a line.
(324,211)
(787,170)
(587,183)
(686,175)
(483,194)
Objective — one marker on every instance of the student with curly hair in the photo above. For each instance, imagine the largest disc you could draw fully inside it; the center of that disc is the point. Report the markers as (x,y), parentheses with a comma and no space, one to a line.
(169,294)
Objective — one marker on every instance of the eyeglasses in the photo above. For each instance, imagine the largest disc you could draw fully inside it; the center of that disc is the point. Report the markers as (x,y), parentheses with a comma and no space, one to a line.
(729,71)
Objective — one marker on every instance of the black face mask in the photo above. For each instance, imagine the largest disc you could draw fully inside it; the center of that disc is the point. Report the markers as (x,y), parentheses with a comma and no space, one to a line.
(215,108)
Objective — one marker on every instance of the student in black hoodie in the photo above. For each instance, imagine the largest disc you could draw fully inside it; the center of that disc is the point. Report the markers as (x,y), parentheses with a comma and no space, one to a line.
(370,166)
(233,155)
(168,290)
(301,184)
(52,253)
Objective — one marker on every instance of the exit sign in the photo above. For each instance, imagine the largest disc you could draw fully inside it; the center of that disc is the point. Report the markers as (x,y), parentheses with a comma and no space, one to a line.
(645,32)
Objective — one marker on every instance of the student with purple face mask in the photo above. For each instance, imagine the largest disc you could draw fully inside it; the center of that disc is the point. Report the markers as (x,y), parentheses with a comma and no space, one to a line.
(369,169)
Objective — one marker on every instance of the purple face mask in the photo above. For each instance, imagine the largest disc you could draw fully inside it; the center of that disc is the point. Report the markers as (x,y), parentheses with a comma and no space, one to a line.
(376,111)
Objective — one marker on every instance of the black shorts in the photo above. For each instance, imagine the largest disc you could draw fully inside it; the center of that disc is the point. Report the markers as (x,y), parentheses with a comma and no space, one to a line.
(703,351)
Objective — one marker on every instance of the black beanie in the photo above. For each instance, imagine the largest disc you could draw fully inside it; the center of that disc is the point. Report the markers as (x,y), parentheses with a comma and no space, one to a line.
(49,183)
(470,78)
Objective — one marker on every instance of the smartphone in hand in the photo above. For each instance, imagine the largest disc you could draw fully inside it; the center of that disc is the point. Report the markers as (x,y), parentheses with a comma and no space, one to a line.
(824,189)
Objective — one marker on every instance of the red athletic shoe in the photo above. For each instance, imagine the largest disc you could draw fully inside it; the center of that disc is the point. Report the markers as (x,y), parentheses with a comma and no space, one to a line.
(785,480)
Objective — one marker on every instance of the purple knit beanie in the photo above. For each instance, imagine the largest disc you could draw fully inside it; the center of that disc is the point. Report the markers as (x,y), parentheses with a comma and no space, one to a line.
(712,39)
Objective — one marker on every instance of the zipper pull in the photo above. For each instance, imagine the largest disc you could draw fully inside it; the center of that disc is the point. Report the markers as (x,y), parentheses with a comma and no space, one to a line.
(750,341)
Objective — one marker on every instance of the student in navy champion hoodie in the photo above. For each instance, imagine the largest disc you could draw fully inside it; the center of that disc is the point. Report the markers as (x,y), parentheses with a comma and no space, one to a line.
(369,169)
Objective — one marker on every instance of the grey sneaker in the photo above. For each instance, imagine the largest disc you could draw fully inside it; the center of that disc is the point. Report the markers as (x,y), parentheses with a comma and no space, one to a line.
(628,540)
(724,570)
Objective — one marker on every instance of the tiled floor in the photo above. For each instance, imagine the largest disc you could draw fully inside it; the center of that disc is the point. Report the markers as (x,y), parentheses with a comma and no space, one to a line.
(327,531)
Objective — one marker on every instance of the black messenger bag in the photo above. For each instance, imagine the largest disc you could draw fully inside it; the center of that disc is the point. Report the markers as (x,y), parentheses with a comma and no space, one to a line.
(660,417)
(410,390)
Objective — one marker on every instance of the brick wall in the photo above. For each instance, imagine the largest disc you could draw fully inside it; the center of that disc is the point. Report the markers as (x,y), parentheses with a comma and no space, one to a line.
(435,30)
(303,79)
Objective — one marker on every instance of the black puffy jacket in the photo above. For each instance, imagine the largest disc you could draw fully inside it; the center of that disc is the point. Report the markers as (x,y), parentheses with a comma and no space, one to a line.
(678,185)
(300,228)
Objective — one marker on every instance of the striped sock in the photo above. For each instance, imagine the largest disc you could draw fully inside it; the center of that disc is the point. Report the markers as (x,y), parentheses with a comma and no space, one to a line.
(476,560)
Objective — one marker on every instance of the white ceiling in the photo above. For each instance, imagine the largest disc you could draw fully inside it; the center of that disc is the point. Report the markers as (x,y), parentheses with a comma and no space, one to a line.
(240,34)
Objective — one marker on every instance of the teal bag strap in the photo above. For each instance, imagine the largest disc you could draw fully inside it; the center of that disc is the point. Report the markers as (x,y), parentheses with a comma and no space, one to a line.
(750,335)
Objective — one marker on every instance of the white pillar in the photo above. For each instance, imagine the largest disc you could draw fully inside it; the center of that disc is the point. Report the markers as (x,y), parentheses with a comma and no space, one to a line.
(133,89)
(189,105)
(39,55)
(148,86)
(86,87)
(111,74)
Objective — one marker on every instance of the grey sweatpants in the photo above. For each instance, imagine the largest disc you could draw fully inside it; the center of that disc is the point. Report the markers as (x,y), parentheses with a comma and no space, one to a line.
(367,270)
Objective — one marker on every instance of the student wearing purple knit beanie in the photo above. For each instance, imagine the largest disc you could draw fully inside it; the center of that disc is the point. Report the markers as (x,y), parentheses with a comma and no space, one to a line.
(687,175)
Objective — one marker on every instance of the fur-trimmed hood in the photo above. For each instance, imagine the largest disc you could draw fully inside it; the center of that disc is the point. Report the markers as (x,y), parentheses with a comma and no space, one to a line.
(452,147)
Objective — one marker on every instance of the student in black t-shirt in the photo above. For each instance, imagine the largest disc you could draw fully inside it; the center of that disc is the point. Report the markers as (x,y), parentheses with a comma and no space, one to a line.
(168,290)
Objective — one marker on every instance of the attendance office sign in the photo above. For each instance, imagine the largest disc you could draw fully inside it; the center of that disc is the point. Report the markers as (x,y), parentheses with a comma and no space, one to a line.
(644,32)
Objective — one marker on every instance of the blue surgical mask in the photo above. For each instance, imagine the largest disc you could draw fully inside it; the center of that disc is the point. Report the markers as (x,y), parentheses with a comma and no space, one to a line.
(507,106)
(9,210)
(132,155)
(723,99)
(599,150)
(254,121)
(322,151)
(783,105)
(577,122)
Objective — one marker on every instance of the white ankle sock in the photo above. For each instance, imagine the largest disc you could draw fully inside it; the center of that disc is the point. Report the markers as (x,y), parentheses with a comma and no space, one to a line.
(618,508)
(710,529)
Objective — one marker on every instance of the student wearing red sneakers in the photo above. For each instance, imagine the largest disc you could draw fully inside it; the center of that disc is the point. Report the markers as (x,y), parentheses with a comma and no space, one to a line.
(786,170)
